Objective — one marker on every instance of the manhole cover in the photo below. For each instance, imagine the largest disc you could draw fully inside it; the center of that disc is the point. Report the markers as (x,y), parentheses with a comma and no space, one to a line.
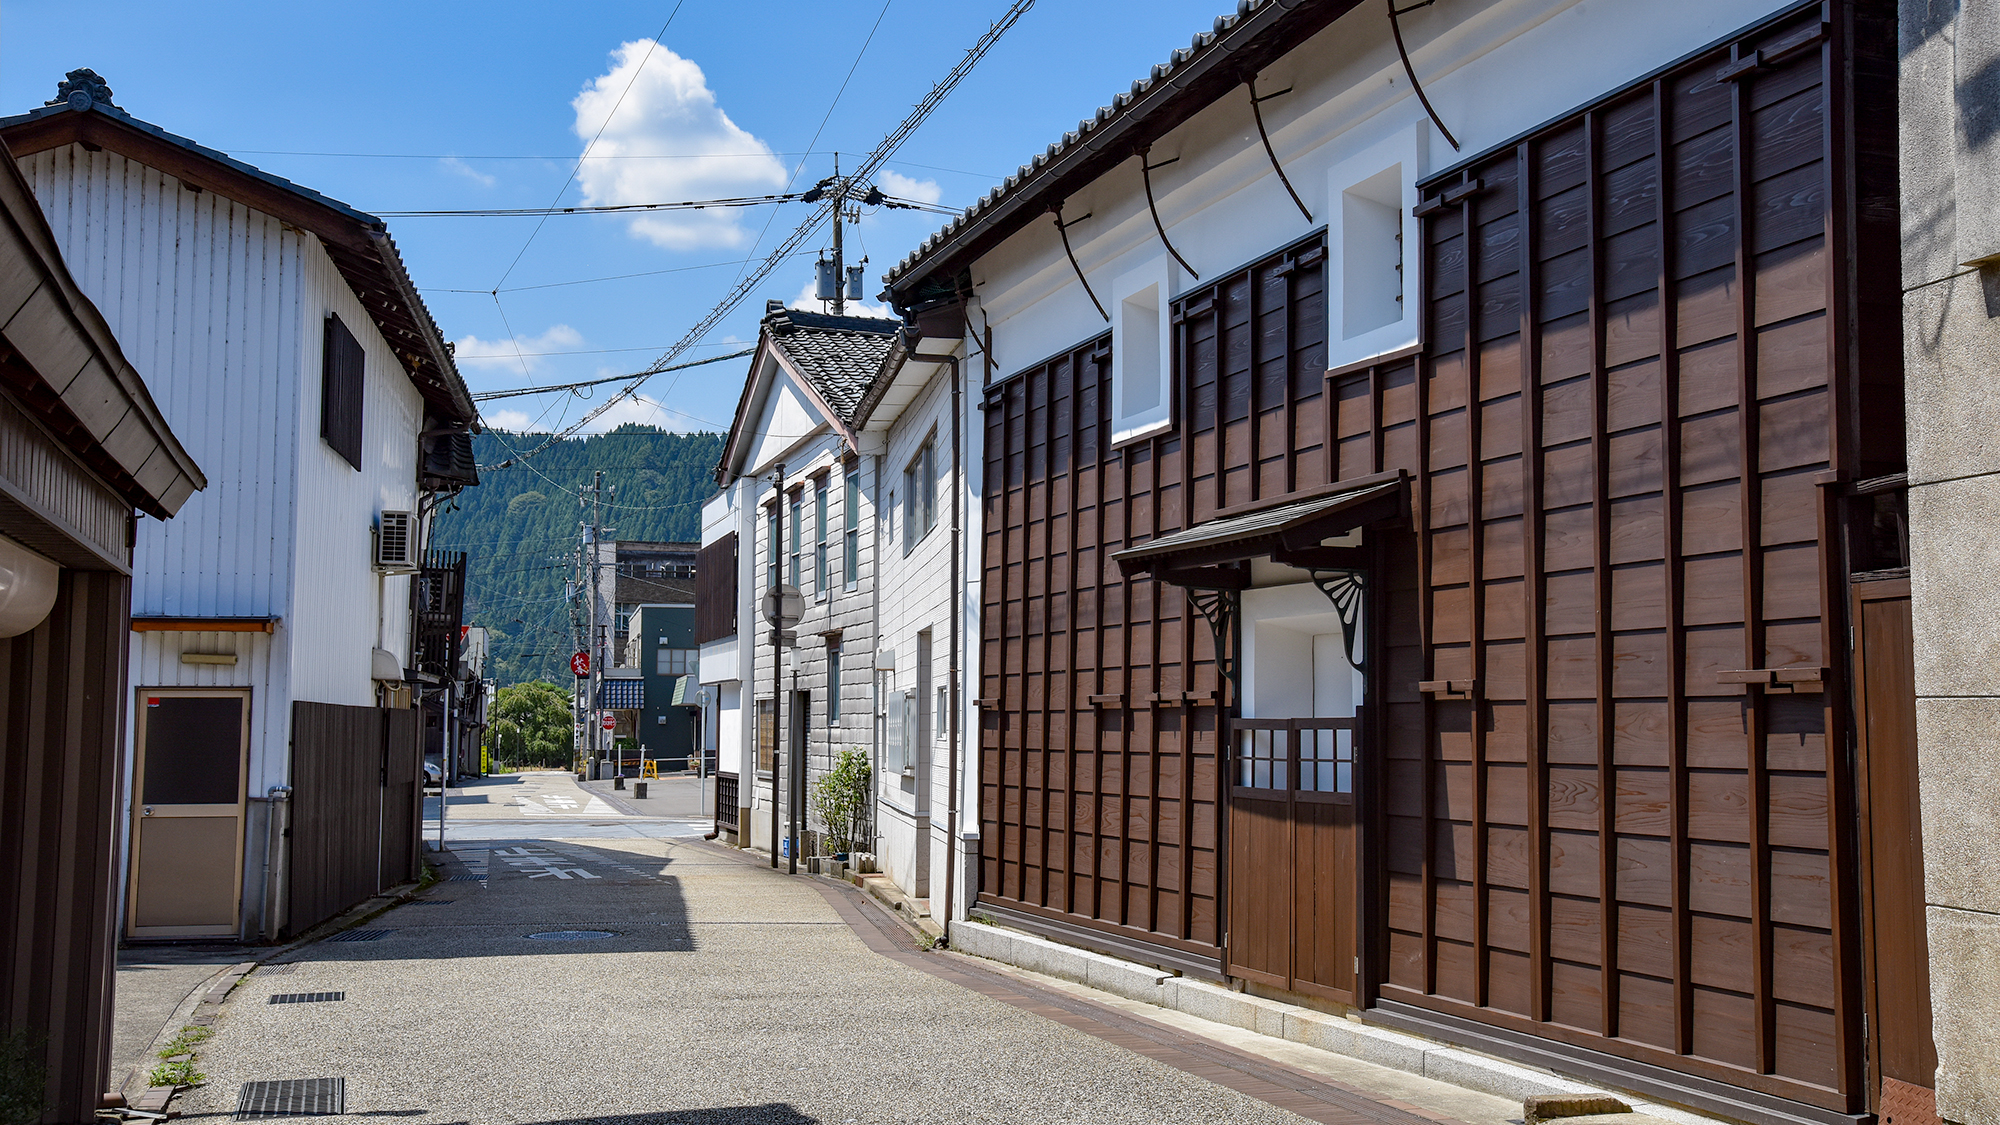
(291,1097)
(573,935)
(307,997)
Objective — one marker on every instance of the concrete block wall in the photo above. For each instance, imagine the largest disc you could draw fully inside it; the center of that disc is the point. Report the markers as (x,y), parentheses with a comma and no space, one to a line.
(1949,118)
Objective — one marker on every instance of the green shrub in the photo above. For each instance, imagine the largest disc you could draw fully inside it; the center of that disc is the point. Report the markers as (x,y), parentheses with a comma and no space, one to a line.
(840,797)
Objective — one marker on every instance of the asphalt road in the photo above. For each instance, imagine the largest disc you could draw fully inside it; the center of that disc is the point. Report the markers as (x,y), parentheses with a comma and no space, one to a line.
(551,803)
(710,990)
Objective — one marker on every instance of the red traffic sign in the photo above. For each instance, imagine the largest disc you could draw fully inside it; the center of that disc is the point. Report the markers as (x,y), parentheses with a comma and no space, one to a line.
(580,664)
(609,722)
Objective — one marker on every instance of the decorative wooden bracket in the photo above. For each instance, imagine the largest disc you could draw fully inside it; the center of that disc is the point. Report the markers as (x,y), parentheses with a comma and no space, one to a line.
(1222,609)
(1256,111)
(1062,228)
(1346,589)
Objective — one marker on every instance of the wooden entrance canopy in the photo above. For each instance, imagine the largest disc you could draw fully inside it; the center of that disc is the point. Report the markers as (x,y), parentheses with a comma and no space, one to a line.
(1280,532)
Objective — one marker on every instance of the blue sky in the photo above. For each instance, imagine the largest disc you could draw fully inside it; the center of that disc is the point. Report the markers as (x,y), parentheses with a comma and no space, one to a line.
(455,106)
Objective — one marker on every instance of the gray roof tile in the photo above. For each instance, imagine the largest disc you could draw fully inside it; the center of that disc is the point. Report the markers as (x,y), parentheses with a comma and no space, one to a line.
(839,355)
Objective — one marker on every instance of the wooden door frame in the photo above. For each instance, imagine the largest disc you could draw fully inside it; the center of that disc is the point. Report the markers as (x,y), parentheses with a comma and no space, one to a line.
(138,803)
(1859,593)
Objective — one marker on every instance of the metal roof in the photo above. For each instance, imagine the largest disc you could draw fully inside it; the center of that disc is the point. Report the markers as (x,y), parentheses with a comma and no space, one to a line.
(621,695)
(358,242)
(1256,533)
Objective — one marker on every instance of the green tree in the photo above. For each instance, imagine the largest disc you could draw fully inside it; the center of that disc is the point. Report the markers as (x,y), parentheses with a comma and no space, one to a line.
(530,726)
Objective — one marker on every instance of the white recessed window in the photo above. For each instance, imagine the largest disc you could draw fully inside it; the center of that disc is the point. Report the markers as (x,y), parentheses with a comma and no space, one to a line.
(1142,398)
(1374,277)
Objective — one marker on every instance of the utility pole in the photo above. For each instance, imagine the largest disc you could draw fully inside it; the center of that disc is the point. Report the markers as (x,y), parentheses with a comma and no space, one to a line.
(777,659)
(839,222)
(834,286)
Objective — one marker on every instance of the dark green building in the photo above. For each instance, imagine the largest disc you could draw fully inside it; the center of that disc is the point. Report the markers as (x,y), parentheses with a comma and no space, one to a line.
(666,655)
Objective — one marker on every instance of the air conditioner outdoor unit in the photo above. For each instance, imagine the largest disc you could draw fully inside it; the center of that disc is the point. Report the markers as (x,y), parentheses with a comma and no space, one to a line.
(396,542)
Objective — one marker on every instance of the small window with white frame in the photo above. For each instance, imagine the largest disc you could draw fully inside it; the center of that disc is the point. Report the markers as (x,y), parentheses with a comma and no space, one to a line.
(920,495)
(1374,282)
(1142,394)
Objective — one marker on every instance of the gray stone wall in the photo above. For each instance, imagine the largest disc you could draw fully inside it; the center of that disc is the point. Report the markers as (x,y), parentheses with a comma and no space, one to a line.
(1950,126)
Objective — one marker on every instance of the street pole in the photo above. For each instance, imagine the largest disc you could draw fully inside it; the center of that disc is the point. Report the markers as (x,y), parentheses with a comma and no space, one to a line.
(839,220)
(777,653)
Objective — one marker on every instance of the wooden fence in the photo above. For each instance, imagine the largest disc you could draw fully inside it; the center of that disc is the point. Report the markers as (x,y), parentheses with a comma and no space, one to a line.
(354,815)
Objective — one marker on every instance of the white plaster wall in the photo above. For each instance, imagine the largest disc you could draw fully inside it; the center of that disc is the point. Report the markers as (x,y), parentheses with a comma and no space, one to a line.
(1222,205)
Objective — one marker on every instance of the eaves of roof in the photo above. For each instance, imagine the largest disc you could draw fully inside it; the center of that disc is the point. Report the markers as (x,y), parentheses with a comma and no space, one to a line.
(1213,64)
(358,242)
(63,361)
(782,324)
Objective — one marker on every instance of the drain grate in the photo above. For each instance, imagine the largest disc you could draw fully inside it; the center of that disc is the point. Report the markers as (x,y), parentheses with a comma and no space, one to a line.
(466,879)
(362,935)
(283,970)
(429,902)
(573,935)
(307,997)
(291,1097)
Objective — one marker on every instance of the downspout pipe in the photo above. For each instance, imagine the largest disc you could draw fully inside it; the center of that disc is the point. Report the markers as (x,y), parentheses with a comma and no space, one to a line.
(952,849)
(277,809)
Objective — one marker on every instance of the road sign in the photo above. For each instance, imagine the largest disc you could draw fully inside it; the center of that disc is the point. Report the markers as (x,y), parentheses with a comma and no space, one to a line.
(609,722)
(783,605)
(783,638)
(580,664)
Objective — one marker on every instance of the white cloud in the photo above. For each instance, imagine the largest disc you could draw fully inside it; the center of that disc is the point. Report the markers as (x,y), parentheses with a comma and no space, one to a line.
(515,421)
(648,412)
(471,351)
(895,183)
(454,164)
(669,111)
(808,301)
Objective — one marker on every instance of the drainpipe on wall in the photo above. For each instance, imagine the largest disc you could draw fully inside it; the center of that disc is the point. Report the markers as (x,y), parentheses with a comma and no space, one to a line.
(277,810)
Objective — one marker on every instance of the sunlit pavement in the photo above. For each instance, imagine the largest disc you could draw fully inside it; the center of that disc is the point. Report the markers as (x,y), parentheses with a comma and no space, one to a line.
(548,805)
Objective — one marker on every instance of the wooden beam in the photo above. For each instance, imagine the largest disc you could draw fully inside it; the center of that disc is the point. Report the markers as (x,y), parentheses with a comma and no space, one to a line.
(204,624)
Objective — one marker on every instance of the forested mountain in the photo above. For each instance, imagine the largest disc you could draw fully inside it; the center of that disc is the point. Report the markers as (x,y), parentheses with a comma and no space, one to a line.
(520,528)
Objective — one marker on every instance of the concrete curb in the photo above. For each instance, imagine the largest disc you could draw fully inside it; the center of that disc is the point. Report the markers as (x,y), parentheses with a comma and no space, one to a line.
(1340,1035)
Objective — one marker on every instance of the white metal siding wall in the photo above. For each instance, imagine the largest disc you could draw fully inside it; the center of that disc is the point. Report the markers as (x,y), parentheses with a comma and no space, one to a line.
(334,618)
(203,295)
(916,595)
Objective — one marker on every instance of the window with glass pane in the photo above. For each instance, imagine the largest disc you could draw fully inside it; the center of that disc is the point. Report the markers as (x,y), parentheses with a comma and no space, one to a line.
(833,680)
(767,733)
(771,555)
(919,496)
(851,514)
(819,538)
(798,538)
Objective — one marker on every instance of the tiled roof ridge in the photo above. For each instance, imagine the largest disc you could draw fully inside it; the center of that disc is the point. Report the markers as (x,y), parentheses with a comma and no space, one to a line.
(1161,72)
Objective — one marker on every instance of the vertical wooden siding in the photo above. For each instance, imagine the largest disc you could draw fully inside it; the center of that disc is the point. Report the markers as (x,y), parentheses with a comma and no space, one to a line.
(353,809)
(60,777)
(1632,389)
(1101,781)
(715,590)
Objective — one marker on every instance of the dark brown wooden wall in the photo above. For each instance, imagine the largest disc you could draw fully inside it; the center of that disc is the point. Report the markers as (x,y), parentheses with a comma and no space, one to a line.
(62,706)
(1622,435)
(1100,775)
(1660,334)
(353,809)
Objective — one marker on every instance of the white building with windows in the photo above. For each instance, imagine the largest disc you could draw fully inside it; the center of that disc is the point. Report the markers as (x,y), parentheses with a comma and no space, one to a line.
(275,622)
(819,525)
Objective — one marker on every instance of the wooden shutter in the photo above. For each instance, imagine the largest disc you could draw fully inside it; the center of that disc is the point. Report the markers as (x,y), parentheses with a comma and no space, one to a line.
(341,372)
(715,590)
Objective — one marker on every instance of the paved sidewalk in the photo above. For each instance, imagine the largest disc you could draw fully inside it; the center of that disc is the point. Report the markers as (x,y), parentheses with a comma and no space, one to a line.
(153,982)
(723,993)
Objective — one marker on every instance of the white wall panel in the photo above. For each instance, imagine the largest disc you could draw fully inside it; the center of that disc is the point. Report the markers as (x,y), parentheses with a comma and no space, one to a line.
(202,294)
(341,610)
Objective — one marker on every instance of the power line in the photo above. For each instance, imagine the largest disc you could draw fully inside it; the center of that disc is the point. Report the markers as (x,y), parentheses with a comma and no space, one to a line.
(824,210)
(651,45)
(603,209)
(488,396)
